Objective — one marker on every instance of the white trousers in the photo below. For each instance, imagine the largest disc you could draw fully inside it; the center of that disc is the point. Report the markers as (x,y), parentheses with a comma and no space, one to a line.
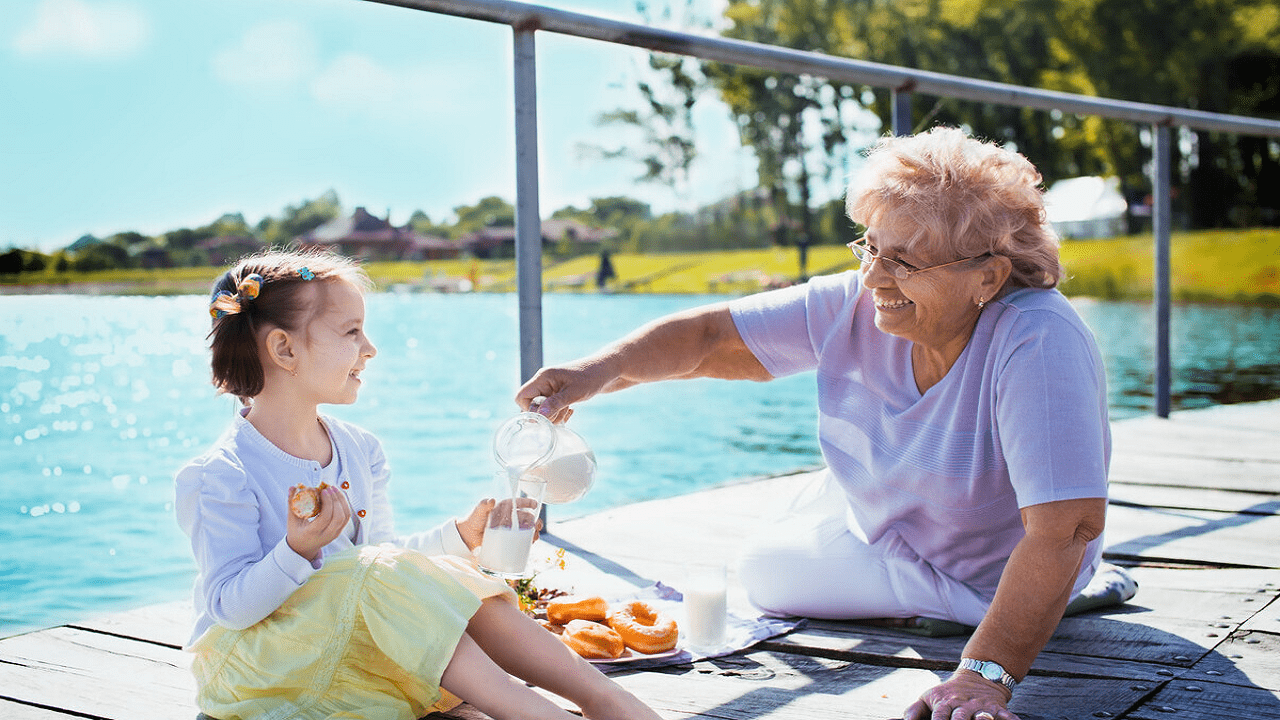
(809,564)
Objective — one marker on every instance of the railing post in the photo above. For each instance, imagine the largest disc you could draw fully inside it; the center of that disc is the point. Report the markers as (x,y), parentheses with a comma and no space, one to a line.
(1161,223)
(528,218)
(901,117)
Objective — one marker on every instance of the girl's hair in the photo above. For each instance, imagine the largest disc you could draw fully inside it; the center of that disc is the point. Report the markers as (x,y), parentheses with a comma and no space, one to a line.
(242,306)
(967,198)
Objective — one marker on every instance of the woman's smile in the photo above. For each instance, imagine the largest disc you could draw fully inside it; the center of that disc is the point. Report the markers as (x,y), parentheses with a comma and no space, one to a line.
(886,304)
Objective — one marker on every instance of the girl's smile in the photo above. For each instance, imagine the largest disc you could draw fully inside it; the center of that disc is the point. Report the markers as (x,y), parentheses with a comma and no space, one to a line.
(335,350)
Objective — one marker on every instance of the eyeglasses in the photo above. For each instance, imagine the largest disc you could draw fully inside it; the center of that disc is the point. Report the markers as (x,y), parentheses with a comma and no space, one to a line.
(900,270)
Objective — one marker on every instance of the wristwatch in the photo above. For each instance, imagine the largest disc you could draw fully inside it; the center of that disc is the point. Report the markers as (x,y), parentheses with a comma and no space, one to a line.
(989,670)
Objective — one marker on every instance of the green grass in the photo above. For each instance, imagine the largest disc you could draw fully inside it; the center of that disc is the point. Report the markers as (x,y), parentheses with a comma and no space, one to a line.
(1235,266)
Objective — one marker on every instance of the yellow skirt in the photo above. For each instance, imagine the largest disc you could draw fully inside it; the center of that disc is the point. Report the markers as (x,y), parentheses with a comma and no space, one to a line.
(368,636)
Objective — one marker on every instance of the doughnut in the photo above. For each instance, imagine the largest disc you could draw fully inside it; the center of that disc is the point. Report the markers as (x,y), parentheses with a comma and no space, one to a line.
(644,629)
(592,640)
(577,607)
(305,502)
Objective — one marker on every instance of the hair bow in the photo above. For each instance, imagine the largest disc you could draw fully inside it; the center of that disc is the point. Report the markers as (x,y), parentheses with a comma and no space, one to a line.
(225,303)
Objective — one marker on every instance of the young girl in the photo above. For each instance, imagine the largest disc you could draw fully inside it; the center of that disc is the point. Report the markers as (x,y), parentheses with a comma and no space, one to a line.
(337,616)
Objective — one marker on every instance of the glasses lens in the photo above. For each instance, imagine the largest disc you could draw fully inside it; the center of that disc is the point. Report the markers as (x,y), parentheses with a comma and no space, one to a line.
(898,270)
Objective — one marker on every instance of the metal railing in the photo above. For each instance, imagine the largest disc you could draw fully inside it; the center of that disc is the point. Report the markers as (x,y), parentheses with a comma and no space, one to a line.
(526,19)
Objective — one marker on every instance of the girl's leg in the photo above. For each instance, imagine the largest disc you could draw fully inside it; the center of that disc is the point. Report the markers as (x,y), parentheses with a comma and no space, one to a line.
(525,649)
(473,676)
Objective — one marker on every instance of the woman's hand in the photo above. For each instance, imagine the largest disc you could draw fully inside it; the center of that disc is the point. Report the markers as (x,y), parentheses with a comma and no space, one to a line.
(964,696)
(552,391)
(307,537)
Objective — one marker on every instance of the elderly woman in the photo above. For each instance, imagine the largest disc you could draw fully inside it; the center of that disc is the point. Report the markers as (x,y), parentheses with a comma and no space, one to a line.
(962,414)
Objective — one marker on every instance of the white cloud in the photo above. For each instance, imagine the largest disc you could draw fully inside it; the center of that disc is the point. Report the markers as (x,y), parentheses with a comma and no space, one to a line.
(280,54)
(102,30)
(354,80)
(269,56)
(358,84)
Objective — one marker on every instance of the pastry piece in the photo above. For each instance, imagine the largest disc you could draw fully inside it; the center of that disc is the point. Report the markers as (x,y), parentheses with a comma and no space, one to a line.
(305,502)
(592,640)
(644,629)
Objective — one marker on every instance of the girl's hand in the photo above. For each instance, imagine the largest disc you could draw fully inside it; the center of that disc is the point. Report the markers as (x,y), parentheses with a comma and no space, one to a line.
(471,528)
(307,537)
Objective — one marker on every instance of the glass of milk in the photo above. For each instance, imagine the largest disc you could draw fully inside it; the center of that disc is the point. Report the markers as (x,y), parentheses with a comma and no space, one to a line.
(508,536)
(705,607)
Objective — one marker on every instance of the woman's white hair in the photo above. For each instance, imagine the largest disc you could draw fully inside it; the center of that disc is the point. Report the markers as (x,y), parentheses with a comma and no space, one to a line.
(966,197)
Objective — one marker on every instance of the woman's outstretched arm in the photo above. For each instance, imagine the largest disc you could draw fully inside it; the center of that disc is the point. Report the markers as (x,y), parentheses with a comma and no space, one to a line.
(702,342)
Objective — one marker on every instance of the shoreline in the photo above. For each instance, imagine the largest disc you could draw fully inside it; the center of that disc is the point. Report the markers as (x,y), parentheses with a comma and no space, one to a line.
(146,289)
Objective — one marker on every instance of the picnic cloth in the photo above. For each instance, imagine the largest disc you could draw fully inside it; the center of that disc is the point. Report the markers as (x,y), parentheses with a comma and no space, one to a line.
(741,631)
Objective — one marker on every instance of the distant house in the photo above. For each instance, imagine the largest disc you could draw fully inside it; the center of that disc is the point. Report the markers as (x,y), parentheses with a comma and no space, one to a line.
(226,249)
(368,237)
(575,237)
(1086,207)
(153,258)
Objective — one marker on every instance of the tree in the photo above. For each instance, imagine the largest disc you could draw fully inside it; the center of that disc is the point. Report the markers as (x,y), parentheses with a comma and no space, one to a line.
(101,256)
(11,262)
(300,219)
(491,211)
(667,148)
(1213,55)
(420,223)
(619,210)
(1218,55)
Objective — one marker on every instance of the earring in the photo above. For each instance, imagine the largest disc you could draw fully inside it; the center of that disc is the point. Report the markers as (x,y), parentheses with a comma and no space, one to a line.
(293,373)
(982,302)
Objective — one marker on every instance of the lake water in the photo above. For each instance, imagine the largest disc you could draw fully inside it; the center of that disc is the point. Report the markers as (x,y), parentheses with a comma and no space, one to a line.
(103,398)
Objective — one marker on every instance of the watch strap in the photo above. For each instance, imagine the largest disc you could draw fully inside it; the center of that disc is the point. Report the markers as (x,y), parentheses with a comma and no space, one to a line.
(989,670)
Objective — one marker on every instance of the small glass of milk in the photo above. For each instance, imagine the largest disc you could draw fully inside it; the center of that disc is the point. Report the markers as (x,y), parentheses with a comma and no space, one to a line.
(705,607)
(508,536)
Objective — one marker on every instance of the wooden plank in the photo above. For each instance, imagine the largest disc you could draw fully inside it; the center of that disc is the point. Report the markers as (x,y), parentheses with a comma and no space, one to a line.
(1268,617)
(773,685)
(1177,606)
(1168,468)
(1133,651)
(164,624)
(19,711)
(1193,536)
(97,675)
(1245,659)
(1248,431)
(1246,581)
(1162,496)
(1187,700)
(1148,438)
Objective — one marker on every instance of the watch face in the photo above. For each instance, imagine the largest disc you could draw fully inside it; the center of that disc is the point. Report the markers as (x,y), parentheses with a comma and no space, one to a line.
(991,671)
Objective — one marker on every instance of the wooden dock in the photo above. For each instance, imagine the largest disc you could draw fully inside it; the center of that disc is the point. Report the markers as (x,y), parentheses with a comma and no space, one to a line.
(1195,515)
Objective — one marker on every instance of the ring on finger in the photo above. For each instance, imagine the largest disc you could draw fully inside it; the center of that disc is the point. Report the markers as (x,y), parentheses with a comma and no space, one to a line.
(984,715)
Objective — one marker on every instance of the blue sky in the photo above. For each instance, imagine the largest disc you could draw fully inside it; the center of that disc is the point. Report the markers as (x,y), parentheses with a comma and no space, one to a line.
(151,115)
